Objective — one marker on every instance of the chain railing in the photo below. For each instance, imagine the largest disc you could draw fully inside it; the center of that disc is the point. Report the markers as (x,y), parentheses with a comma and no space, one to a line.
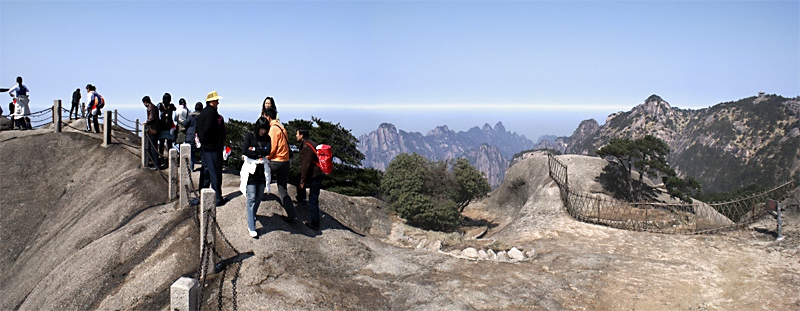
(683,218)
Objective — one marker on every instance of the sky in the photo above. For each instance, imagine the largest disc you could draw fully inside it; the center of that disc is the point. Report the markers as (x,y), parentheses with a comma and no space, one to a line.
(539,67)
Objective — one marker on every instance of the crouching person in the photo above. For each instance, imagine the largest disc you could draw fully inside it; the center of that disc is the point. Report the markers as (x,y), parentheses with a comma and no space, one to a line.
(310,176)
(255,147)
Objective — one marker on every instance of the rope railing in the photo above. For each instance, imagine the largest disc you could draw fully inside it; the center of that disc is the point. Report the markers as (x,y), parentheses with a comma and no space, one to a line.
(683,218)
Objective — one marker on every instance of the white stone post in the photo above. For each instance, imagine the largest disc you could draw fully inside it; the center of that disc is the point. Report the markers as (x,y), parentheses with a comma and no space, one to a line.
(208,209)
(173,174)
(57,115)
(185,174)
(184,295)
(107,129)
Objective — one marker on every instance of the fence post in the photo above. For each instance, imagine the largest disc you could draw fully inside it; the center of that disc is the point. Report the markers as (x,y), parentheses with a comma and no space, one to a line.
(57,115)
(83,110)
(116,117)
(107,129)
(183,295)
(137,128)
(145,137)
(208,213)
(173,174)
(186,174)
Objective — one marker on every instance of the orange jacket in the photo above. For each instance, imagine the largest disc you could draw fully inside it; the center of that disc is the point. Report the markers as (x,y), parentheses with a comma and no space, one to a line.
(280,142)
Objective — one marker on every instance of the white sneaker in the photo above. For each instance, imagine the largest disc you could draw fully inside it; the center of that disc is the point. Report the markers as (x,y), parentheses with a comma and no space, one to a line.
(253,233)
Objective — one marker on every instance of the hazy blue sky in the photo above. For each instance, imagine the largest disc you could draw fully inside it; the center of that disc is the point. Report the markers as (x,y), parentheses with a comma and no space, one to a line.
(540,67)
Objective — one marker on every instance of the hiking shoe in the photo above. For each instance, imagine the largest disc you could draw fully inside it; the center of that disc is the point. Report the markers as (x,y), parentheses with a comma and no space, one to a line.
(153,168)
(253,234)
(288,220)
(311,225)
(222,202)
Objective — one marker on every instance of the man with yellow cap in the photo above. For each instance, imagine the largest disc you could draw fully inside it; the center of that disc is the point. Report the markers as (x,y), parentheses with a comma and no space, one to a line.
(211,132)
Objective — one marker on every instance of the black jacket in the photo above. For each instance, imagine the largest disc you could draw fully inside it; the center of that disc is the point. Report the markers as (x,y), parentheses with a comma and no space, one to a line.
(211,130)
(262,147)
(76,97)
(191,126)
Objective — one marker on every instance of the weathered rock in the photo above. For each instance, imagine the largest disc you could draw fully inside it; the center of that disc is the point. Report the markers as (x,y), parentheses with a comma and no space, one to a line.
(502,256)
(482,254)
(470,252)
(455,252)
(422,243)
(435,246)
(491,255)
(531,253)
(515,254)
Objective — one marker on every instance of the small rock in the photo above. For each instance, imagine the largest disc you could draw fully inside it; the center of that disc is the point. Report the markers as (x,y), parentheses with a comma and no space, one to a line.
(470,252)
(491,255)
(482,255)
(435,245)
(515,254)
(530,253)
(502,256)
(455,252)
(422,243)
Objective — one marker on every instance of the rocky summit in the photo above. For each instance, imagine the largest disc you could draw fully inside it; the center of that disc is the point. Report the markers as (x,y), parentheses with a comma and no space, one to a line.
(488,148)
(754,140)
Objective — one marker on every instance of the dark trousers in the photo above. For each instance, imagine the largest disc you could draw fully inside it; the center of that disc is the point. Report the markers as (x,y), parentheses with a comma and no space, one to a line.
(212,162)
(75,109)
(280,174)
(313,199)
(151,150)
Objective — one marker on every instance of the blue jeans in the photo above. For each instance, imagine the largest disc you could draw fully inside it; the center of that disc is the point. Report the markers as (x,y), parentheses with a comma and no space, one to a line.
(313,199)
(254,195)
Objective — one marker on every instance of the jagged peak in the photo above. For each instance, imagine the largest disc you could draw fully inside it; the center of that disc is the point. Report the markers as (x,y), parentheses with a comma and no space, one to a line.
(499,127)
(387,126)
(486,127)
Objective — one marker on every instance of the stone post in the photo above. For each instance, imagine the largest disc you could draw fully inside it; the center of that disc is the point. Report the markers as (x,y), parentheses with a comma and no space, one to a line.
(116,117)
(83,110)
(173,174)
(57,115)
(107,129)
(137,128)
(184,295)
(780,223)
(185,174)
(208,212)
(144,147)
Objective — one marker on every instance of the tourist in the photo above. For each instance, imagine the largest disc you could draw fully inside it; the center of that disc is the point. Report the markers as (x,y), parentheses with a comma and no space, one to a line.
(310,176)
(180,118)
(76,102)
(21,111)
(166,134)
(268,103)
(191,128)
(255,147)
(211,131)
(93,109)
(279,162)
(151,131)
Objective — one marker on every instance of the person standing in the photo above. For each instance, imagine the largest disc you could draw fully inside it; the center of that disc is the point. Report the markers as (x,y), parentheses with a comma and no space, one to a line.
(21,112)
(269,103)
(76,101)
(191,128)
(94,109)
(167,134)
(211,132)
(151,131)
(279,162)
(310,176)
(255,147)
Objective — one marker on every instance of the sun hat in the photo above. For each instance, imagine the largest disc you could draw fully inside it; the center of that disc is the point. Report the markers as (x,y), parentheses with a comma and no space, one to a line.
(212,96)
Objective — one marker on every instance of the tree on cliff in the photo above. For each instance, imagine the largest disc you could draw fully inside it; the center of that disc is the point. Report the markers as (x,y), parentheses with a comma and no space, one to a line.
(649,155)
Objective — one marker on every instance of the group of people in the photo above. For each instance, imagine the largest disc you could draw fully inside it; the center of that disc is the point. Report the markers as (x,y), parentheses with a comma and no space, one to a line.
(266,153)
(162,129)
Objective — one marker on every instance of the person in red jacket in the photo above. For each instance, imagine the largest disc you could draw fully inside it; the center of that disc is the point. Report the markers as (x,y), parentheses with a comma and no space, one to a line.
(310,176)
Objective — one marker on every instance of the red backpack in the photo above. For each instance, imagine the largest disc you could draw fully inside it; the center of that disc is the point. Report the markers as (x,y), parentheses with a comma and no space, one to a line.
(325,157)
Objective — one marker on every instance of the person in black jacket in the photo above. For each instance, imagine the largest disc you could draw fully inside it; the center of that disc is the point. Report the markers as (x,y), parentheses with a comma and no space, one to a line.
(191,128)
(310,176)
(76,100)
(211,132)
(150,132)
(255,147)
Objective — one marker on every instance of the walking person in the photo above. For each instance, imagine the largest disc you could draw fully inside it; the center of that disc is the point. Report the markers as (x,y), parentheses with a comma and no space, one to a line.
(310,176)
(279,163)
(151,132)
(76,101)
(255,147)
(21,111)
(211,131)
(93,109)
